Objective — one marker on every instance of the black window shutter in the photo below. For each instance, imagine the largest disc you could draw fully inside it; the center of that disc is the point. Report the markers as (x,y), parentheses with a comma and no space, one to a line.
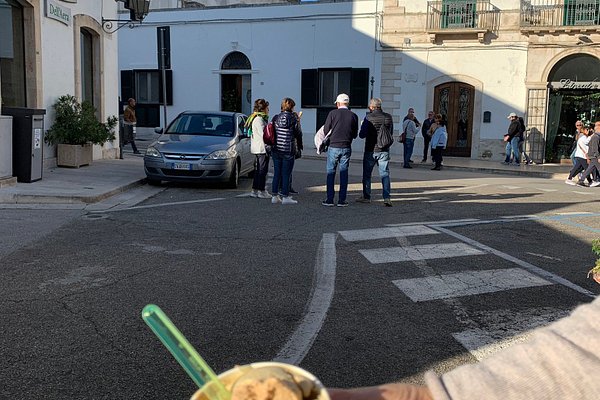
(310,88)
(359,88)
(127,85)
(169,75)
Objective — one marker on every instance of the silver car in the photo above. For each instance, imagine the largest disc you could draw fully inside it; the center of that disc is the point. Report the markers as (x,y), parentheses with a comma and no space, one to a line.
(200,146)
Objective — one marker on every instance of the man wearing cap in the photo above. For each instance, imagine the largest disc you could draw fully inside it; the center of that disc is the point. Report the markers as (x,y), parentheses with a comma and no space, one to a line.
(343,125)
(512,142)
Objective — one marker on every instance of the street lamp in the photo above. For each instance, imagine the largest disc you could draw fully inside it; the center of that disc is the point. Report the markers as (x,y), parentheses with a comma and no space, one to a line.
(138,9)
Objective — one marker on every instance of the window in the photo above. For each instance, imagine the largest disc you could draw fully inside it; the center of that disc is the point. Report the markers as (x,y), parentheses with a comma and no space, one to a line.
(147,84)
(320,87)
(458,14)
(12,54)
(236,60)
(87,66)
(581,12)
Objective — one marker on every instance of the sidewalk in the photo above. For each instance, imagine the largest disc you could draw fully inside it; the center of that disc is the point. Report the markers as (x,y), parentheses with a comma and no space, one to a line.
(106,178)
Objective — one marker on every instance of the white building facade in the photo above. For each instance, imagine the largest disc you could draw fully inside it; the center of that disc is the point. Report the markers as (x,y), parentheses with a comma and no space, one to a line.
(225,58)
(474,61)
(49,48)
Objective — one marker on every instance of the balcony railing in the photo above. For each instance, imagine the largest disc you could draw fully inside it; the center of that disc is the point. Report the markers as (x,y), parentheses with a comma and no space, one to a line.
(560,13)
(462,15)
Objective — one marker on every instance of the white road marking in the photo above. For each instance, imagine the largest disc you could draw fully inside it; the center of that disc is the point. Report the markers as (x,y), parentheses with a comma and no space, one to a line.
(576,213)
(584,193)
(510,187)
(449,221)
(543,256)
(467,283)
(547,190)
(383,233)
(505,328)
(244,195)
(300,342)
(523,264)
(419,252)
(175,203)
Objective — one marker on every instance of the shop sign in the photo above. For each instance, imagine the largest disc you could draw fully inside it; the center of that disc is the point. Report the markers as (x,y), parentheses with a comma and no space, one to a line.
(58,12)
(569,84)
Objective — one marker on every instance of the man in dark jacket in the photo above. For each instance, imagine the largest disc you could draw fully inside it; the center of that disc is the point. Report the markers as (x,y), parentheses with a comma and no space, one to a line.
(377,130)
(594,156)
(343,125)
(512,144)
(425,132)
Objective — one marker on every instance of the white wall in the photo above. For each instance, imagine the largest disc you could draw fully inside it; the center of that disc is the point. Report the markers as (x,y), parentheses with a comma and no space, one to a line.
(280,41)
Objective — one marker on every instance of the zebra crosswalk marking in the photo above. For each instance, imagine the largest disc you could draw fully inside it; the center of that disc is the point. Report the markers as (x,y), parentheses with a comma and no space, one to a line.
(389,232)
(419,252)
(467,283)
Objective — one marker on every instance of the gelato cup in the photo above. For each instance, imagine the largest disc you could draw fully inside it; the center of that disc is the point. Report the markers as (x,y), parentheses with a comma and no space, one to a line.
(229,378)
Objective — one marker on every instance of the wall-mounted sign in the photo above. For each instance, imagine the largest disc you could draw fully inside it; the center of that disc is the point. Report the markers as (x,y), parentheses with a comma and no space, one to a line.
(58,12)
(569,84)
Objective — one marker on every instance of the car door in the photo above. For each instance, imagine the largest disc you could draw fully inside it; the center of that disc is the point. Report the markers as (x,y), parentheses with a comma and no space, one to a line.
(247,159)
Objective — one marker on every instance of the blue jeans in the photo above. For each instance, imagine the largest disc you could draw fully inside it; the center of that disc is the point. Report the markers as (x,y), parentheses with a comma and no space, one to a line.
(514,144)
(282,170)
(369,160)
(409,144)
(337,156)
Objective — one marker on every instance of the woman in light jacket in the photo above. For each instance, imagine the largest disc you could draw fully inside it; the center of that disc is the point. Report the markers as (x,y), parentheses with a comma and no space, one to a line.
(438,141)
(256,124)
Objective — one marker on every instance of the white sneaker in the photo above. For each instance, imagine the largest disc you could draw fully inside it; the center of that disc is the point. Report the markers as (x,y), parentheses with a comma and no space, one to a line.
(595,184)
(263,195)
(275,199)
(288,200)
(254,194)
(570,182)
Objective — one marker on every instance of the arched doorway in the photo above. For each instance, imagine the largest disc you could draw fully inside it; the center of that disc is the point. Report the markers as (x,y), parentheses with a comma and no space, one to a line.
(574,94)
(455,101)
(236,83)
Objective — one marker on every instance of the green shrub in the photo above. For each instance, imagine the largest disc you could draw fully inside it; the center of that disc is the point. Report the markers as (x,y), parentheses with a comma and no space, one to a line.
(596,251)
(76,123)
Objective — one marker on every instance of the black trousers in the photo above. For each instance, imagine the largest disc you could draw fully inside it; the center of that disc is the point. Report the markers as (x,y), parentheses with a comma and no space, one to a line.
(436,155)
(427,140)
(581,164)
(593,166)
(261,168)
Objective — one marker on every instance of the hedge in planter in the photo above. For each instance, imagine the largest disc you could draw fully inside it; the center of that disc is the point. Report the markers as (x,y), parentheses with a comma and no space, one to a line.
(76,124)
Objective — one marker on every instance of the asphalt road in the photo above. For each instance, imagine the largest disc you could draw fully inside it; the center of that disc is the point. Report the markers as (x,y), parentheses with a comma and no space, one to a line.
(462,265)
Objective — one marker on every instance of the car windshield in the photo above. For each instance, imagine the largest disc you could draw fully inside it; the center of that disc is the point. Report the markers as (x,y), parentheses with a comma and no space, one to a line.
(203,124)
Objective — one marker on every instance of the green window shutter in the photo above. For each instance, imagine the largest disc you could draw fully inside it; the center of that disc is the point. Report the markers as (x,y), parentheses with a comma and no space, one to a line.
(581,12)
(459,14)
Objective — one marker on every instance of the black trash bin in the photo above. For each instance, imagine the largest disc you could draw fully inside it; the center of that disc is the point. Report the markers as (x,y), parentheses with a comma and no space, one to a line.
(28,142)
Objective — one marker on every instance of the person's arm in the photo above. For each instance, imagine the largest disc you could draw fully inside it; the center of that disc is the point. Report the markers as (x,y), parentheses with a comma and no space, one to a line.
(354,126)
(327,126)
(560,361)
(513,129)
(392,391)
(298,135)
(365,127)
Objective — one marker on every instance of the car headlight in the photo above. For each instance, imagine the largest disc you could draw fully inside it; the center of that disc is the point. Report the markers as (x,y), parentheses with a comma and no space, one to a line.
(222,154)
(152,152)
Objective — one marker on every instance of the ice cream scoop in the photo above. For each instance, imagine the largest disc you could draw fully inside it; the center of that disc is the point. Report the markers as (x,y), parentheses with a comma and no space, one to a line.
(270,381)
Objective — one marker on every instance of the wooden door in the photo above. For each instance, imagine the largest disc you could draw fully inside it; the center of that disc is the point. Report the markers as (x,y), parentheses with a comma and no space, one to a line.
(455,101)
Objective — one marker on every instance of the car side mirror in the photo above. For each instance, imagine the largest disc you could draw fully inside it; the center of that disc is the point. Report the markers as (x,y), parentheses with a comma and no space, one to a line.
(158,130)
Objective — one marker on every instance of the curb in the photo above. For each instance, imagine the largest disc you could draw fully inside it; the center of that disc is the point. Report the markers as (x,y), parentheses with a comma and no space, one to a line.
(57,199)
(496,171)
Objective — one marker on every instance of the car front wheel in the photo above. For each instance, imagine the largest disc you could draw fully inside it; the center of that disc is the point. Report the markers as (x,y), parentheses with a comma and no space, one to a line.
(234,177)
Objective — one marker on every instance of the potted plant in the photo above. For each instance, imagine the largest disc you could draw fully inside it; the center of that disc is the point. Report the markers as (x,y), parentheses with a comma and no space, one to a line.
(76,128)
(595,272)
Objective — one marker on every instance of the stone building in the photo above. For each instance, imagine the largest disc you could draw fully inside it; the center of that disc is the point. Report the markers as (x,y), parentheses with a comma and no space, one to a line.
(478,60)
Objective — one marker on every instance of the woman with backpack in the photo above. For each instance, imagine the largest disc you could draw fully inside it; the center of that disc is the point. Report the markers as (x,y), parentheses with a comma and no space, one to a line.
(255,124)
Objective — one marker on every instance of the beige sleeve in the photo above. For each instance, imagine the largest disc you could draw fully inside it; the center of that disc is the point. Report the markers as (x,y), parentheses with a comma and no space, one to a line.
(559,362)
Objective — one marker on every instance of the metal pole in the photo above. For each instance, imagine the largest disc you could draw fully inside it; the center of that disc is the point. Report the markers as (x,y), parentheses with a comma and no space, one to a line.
(164,78)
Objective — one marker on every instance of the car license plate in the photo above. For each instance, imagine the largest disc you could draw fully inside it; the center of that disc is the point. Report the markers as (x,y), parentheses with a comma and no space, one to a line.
(181,166)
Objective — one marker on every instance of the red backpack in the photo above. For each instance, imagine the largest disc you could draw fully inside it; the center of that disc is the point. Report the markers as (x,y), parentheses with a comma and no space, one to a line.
(269,134)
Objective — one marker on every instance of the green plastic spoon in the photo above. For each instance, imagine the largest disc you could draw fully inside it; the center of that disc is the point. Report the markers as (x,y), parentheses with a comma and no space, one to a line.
(184,353)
